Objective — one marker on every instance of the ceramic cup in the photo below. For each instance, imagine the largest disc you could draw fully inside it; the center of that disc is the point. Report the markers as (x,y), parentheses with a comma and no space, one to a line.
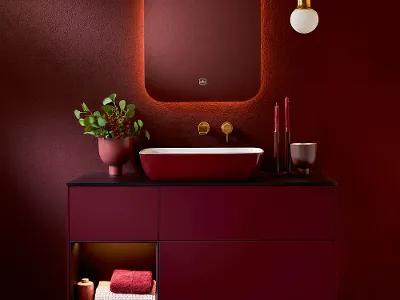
(303,156)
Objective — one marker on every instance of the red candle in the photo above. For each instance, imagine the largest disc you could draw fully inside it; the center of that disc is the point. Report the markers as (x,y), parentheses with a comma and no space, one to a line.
(276,117)
(276,139)
(287,116)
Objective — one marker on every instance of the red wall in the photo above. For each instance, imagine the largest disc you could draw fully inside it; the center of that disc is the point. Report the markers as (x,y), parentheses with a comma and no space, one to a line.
(342,80)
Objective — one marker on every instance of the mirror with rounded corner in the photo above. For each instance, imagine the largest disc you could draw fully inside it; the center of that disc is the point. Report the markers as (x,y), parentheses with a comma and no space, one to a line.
(202,50)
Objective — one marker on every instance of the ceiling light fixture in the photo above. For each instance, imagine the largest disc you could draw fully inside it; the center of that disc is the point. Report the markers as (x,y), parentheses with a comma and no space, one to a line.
(304,19)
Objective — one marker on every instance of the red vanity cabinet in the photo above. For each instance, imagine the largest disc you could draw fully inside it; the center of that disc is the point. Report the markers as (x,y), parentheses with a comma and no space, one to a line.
(237,270)
(271,238)
(113,213)
(246,213)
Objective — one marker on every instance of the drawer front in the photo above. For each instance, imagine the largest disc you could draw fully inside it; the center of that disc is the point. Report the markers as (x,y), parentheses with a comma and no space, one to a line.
(247,213)
(246,270)
(113,213)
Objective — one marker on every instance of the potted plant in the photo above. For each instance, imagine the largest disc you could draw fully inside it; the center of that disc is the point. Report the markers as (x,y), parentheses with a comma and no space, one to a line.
(115,128)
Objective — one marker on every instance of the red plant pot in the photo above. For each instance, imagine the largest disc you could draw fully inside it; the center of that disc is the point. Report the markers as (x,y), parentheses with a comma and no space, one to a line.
(115,153)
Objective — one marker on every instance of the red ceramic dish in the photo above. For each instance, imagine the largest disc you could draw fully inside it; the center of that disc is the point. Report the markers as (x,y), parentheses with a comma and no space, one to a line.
(201,163)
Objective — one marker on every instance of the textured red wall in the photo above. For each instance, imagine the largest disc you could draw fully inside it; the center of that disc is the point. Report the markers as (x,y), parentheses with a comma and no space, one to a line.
(342,80)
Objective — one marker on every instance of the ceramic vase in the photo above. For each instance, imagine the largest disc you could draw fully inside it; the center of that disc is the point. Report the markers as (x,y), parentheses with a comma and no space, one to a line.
(115,153)
(303,156)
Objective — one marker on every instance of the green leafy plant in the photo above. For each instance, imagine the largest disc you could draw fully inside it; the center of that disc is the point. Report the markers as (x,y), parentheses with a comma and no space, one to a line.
(115,121)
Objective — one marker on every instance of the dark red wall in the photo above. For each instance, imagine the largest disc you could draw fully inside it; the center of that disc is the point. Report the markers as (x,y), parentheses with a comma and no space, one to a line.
(342,80)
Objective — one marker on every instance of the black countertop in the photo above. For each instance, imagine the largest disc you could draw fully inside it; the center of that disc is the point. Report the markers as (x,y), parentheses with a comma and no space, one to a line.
(262,179)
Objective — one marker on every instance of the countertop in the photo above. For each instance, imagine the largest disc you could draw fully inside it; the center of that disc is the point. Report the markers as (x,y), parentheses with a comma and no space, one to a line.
(262,179)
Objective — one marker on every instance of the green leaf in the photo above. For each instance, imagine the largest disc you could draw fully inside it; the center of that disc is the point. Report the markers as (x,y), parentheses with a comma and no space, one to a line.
(107,135)
(84,107)
(96,114)
(90,133)
(94,125)
(112,97)
(107,101)
(81,122)
(122,104)
(107,109)
(147,134)
(91,120)
(77,114)
(135,125)
(101,122)
(131,106)
(140,123)
(86,121)
(130,112)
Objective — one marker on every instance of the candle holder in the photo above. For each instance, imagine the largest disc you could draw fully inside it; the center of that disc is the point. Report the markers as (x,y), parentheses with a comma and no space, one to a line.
(303,156)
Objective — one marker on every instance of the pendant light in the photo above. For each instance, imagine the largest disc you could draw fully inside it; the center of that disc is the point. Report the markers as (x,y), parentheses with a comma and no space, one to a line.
(304,19)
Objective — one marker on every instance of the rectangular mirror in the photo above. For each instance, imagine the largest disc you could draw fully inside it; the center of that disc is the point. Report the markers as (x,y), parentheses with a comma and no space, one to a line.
(202,50)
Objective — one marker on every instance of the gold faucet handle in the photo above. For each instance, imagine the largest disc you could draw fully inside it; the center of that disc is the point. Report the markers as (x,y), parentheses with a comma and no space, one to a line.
(227,128)
(203,128)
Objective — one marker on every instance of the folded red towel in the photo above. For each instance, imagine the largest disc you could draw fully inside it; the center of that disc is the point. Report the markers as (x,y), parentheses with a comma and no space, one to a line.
(131,282)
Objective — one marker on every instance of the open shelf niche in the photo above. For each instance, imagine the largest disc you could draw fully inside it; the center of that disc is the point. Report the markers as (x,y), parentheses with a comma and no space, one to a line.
(98,260)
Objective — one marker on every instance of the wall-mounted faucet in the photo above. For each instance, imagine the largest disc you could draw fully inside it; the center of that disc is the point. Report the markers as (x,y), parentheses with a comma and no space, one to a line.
(227,128)
(203,128)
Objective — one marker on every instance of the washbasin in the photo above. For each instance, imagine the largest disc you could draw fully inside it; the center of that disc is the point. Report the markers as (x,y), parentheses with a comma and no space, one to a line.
(201,163)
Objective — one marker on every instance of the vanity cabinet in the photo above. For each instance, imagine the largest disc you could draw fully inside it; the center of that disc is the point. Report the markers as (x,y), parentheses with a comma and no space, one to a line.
(269,238)
(246,270)
(246,213)
(113,214)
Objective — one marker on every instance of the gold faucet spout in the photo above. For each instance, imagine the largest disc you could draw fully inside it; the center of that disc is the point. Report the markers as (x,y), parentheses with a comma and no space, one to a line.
(203,128)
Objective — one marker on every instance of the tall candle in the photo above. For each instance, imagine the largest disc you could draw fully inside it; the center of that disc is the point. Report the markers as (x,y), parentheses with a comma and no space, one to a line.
(276,139)
(288,160)
(276,117)
(287,115)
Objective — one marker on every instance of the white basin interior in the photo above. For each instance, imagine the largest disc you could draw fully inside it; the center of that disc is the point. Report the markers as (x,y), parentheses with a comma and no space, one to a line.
(238,150)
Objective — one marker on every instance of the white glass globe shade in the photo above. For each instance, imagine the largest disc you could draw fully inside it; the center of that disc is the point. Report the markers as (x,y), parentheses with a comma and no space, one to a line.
(304,20)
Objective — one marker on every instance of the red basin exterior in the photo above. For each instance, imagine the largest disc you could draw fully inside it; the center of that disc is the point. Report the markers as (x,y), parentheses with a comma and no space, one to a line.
(201,166)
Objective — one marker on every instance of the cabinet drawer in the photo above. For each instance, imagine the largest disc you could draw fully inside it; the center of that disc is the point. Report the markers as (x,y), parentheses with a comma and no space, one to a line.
(247,213)
(246,270)
(113,214)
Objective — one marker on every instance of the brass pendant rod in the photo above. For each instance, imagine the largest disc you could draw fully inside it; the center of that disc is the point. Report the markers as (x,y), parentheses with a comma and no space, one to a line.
(303,4)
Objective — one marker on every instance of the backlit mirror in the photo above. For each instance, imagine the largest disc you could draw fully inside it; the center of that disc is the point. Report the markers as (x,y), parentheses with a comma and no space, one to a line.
(202,50)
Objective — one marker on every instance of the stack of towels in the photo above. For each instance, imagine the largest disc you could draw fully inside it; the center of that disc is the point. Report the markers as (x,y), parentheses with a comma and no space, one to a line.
(127,285)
